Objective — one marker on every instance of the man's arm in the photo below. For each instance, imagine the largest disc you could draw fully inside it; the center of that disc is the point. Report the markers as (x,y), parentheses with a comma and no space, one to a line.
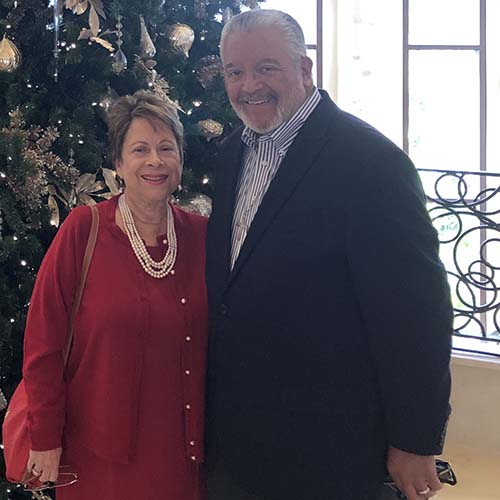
(404,297)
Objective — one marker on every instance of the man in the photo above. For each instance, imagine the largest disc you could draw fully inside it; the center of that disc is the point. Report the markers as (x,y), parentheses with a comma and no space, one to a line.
(331,320)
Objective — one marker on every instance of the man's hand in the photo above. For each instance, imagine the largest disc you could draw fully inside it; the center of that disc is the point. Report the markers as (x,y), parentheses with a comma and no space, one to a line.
(414,475)
(44,464)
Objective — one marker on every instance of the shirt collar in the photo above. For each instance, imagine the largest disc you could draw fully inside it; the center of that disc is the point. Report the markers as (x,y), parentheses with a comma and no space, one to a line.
(287,129)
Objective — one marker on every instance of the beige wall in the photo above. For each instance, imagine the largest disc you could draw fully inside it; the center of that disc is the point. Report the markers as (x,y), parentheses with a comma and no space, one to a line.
(475,421)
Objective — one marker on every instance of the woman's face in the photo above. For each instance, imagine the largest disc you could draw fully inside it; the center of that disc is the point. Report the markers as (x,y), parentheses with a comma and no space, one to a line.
(150,161)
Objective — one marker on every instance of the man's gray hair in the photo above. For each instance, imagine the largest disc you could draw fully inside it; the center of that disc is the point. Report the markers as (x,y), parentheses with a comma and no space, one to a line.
(268,18)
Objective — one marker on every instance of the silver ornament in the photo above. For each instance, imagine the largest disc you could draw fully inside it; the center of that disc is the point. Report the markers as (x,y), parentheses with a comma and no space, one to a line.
(119,61)
(196,203)
(148,50)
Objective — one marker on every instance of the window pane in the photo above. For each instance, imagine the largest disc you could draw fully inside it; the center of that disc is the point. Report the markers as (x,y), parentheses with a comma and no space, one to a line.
(370,64)
(493,79)
(305,15)
(437,22)
(444,109)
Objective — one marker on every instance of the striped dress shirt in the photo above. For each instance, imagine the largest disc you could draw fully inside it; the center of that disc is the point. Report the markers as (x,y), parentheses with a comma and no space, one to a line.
(262,158)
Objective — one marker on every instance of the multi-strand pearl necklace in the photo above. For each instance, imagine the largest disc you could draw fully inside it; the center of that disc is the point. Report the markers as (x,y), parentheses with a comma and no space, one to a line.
(155,269)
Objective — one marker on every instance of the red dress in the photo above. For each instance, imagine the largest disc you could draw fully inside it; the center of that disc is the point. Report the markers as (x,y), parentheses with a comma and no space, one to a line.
(129,409)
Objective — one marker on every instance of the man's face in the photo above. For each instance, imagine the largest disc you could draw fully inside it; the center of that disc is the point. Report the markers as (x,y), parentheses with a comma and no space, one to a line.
(265,84)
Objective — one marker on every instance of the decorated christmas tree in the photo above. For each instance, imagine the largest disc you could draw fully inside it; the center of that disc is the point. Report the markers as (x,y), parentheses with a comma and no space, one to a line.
(62,64)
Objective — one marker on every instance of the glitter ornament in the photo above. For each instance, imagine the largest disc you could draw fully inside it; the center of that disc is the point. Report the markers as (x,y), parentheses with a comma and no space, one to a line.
(209,68)
(210,129)
(181,37)
(148,50)
(196,203)
(10,57)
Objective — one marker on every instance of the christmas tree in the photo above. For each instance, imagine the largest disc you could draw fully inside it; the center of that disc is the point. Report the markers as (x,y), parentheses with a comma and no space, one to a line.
(61,67)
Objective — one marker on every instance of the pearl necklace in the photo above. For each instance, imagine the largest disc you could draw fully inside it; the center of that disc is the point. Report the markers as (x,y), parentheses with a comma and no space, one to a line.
(152,267)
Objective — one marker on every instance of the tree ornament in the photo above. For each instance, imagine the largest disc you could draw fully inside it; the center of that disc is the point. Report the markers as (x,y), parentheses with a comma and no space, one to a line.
(148,50)
(181,37)
(196,203)
(79,7)
(3,401)
(210,67)
(58,8)
(200,8)
(210,128)
(119,59)
(227,15)
(28,186)
(10,57)
(252,4)
(106,102)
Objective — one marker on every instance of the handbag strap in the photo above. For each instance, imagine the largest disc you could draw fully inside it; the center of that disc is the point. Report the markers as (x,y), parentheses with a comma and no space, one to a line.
(89,251)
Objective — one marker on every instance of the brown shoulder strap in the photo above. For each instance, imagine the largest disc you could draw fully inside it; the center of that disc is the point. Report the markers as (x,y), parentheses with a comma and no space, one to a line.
(89,251)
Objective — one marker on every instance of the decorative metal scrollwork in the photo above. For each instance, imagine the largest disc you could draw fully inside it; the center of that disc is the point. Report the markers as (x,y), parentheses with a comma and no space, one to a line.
(465,210)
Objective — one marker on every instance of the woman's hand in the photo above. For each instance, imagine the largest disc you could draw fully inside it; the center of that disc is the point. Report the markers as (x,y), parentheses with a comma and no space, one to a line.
(44,464)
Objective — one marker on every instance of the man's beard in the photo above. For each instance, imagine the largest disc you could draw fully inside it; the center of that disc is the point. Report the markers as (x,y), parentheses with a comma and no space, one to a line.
(285,109)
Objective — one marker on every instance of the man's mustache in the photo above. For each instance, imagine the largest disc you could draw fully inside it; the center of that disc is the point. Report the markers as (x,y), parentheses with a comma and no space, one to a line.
(259,96)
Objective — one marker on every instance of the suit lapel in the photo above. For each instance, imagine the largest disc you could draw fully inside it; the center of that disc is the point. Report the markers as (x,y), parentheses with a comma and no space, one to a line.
(223,212)
(297,162)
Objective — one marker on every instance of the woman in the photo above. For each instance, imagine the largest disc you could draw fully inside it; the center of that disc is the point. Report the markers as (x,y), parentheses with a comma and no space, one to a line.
(127,411)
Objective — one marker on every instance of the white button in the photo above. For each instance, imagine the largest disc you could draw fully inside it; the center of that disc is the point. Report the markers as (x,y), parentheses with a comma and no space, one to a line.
(193,457)
(188,339)
(191,443)
(164,242)
(183,300)
(188,407)
(172,271)
(187,372)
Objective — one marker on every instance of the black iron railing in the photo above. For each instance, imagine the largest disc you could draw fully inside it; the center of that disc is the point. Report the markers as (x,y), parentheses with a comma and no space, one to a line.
(465,209)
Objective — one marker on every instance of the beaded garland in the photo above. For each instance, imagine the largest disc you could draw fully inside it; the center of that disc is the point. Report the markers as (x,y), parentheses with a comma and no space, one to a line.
(156,269)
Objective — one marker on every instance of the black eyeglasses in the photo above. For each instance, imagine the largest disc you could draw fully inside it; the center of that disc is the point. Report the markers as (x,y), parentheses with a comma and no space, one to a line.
(443,469)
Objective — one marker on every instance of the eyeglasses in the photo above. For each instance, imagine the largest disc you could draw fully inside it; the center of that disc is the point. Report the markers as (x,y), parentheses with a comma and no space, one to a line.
(38,489)
(443,469)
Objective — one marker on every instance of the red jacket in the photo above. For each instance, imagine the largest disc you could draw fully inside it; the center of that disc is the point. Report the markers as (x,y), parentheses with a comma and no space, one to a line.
(95,399)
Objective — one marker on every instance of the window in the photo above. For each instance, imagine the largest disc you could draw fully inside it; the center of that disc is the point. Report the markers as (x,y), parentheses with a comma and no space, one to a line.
(426,73)
(310,19)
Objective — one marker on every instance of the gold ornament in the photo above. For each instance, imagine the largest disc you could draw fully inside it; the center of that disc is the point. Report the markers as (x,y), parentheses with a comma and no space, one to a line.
(148,50)
(196,203)
(181,37)
(10,57)
(209,68)
(210,129)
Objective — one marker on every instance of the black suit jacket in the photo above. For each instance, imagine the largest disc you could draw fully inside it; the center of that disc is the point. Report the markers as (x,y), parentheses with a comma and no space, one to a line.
(330,338)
